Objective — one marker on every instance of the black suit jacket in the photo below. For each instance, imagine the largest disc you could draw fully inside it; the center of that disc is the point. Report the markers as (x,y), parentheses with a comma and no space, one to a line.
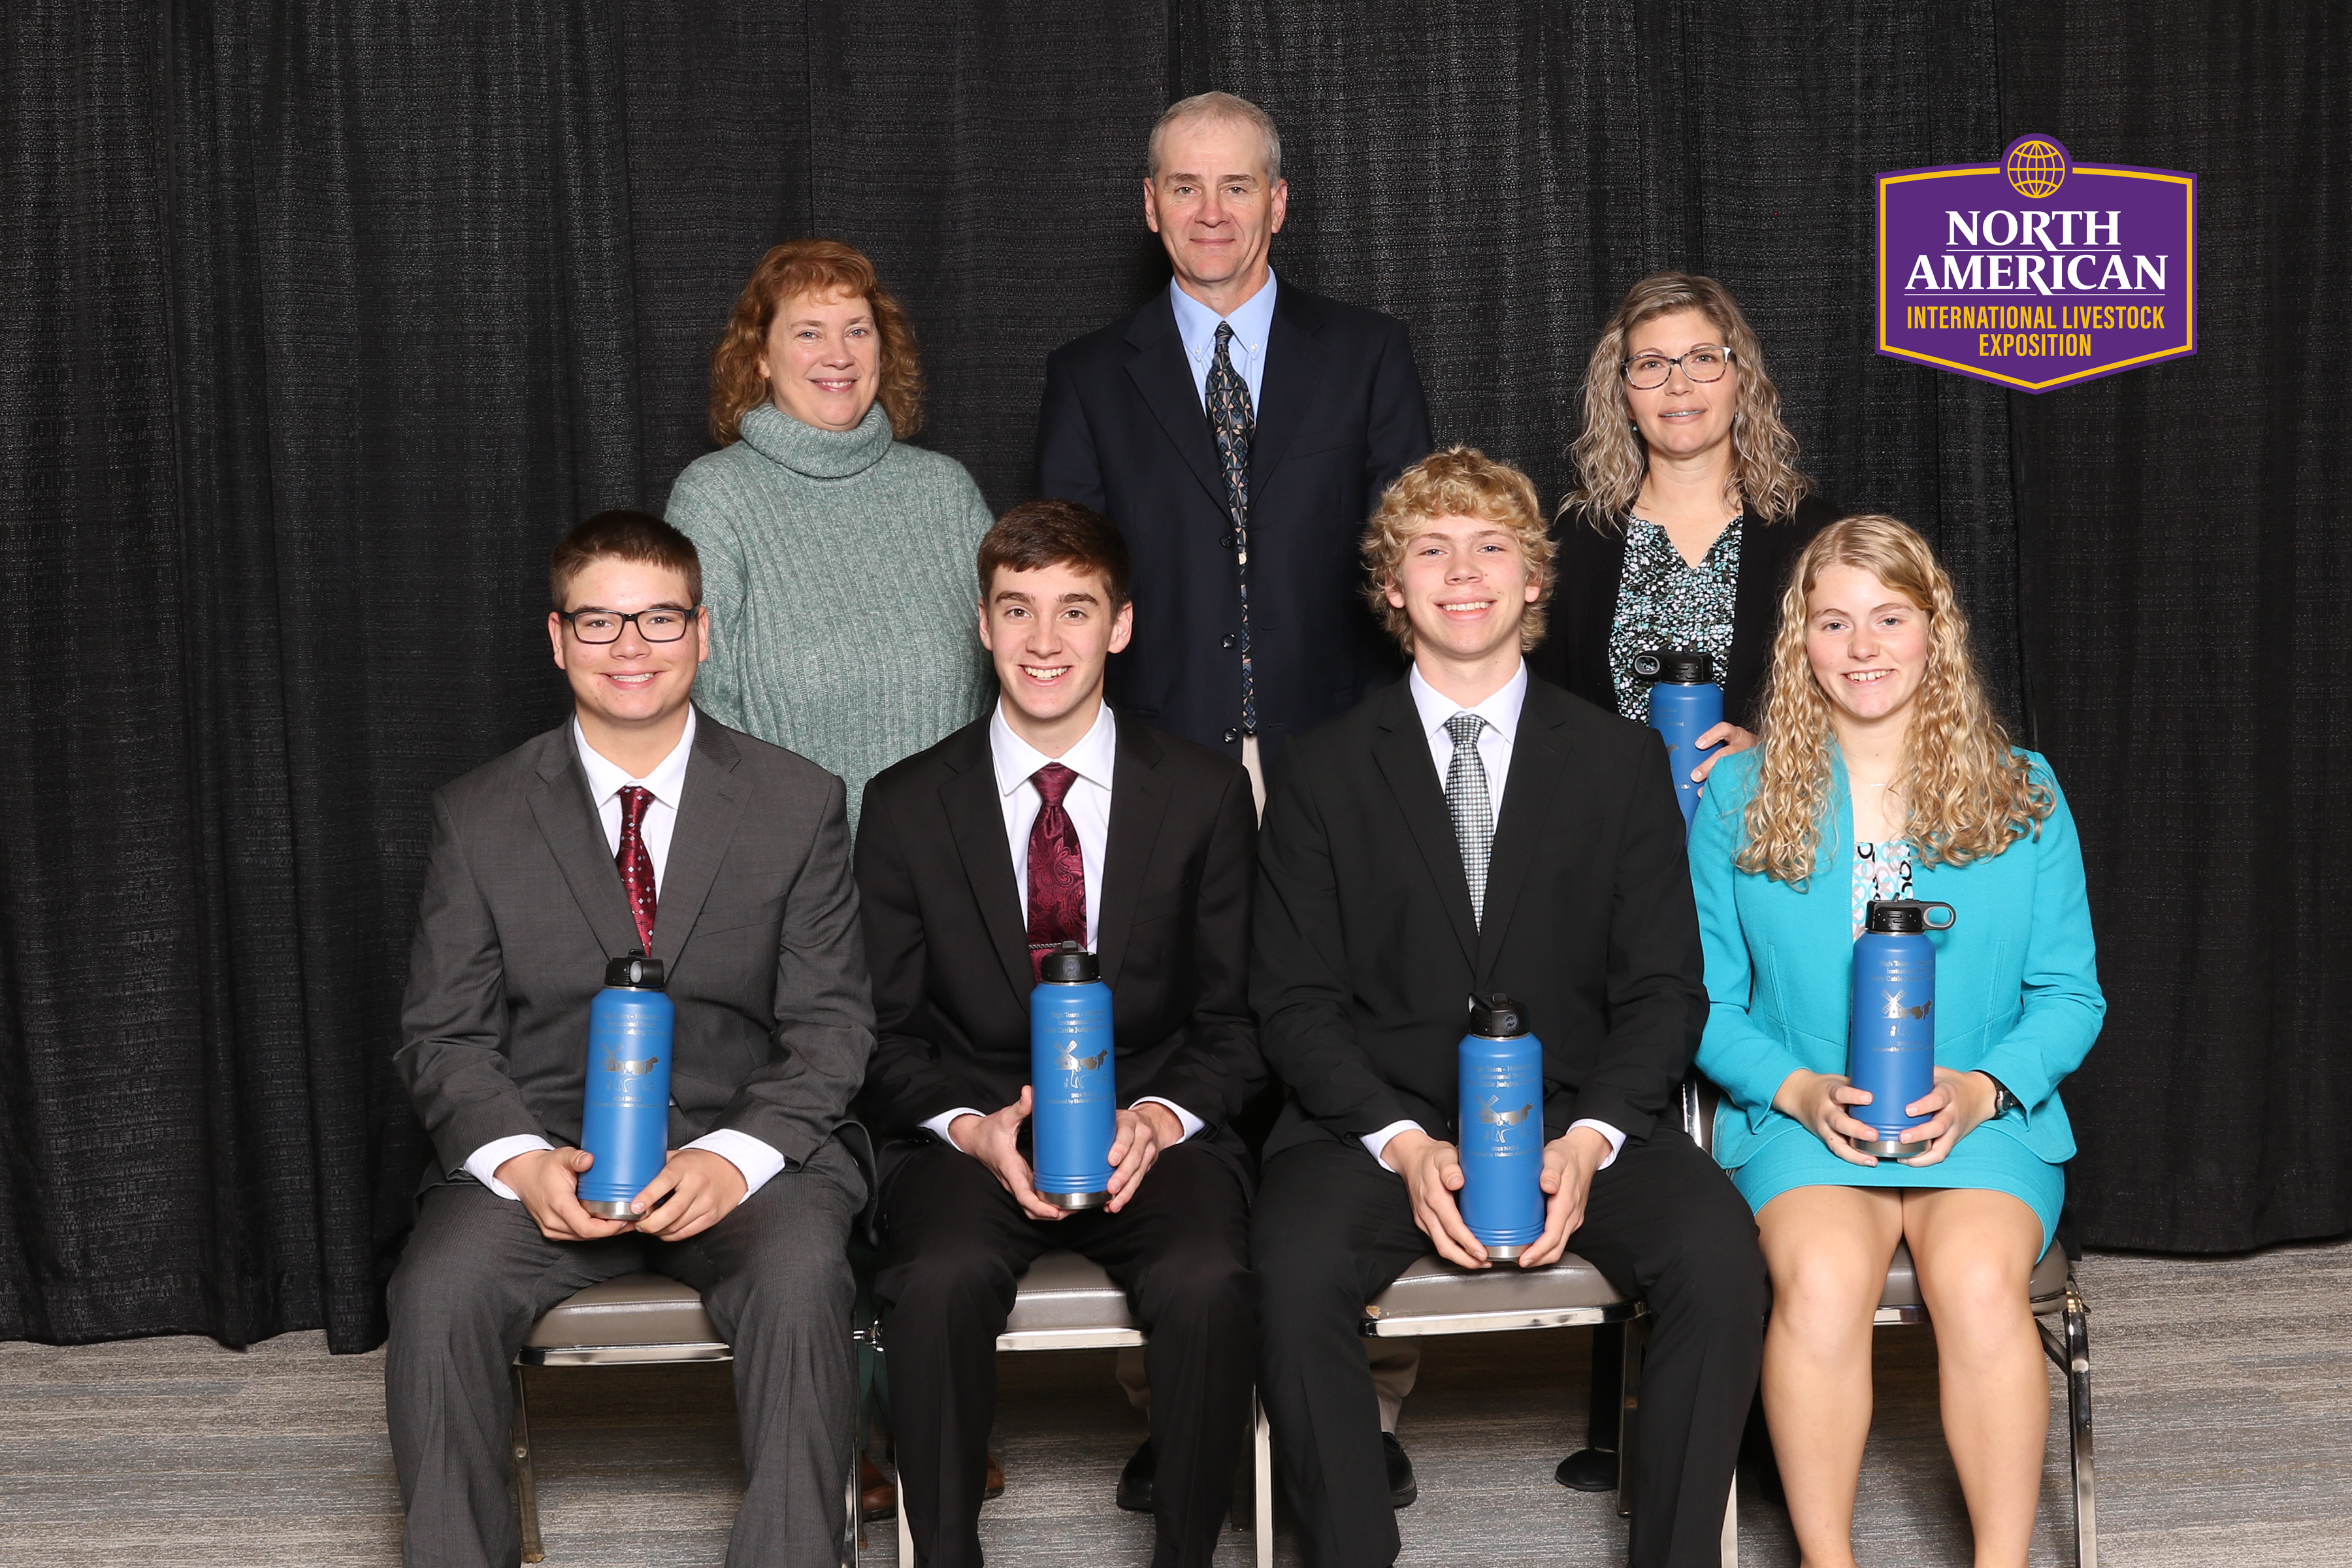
(1367,951)
(1340,415)
(756,924)
(1591,565)
(948,938)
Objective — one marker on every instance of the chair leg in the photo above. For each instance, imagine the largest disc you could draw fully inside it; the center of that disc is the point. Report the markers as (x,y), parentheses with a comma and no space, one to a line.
(526,1478)
(1629,1417)
(2077,1368)
(1262,1480)
(906,1530)
(852,1525)
(1593,1468)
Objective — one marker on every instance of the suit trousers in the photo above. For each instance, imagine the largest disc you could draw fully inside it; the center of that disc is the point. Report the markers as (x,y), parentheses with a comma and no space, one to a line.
(1333,1227)
(957,1246)
(774,1277)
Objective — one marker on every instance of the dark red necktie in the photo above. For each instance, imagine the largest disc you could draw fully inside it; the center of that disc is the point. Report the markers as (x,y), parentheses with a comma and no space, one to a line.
(636,866)
(1057,874)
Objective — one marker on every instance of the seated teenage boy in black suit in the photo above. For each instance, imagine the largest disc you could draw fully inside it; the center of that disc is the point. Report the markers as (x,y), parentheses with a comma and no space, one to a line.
(1056,819)
(1471,829)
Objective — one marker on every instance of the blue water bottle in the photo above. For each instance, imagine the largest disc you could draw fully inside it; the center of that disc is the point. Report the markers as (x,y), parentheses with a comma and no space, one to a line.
(1502,1123)
(1684,703)
(1891,1048)
(1074,1081)
(624,1121)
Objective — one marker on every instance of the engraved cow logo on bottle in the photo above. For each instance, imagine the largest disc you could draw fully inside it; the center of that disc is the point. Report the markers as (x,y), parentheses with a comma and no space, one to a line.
(1070,1062)
(629,1069)
(1895,1007)
(1495,1117)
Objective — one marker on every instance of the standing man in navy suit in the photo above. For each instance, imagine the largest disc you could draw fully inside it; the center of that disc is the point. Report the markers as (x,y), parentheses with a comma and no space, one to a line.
(1238,430)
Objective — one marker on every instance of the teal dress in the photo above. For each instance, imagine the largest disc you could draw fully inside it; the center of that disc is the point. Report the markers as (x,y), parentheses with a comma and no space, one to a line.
(2017,994)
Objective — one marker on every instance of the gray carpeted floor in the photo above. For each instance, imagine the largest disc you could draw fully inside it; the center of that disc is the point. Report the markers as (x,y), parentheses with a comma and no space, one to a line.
(2224,1432)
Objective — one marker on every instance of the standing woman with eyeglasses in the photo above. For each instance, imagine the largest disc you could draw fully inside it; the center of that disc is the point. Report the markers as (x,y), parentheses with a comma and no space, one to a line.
(836,559)
(1690,507)
(1689,512)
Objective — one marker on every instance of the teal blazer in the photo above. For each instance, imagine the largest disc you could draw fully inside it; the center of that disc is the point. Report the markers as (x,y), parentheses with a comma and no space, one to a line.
(2017,985)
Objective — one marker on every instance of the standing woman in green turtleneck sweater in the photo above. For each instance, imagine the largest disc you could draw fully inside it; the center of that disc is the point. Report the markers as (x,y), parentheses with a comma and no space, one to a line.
(837,560)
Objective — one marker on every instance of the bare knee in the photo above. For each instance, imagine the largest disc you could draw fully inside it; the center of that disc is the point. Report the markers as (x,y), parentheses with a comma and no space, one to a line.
(1827,1293)
(1976,1298)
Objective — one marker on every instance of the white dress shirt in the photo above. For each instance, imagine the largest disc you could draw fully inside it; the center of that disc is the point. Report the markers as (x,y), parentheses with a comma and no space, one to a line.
(1088,803)
(1197,325)
(758,1160)
(1501,712)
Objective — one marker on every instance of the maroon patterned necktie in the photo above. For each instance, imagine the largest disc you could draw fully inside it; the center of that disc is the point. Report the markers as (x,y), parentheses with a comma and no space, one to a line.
(636,866)
(1057,874)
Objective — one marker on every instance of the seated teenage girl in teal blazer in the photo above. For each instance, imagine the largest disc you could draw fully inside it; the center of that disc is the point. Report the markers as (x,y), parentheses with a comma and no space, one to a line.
(1882,773)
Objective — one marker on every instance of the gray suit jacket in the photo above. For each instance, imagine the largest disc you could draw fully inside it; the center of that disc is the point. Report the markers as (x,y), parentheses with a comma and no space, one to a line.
(758,924)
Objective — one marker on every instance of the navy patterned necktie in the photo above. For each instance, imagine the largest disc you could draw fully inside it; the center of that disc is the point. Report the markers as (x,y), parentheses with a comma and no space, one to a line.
(1231,416)
(1472,807)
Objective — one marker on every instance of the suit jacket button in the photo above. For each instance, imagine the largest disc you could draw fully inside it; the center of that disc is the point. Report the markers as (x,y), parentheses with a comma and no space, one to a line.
(1232,735)
(1228,641)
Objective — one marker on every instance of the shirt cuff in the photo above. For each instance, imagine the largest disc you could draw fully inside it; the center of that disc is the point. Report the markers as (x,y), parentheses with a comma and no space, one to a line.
(1616,1139)
(484,1161)
(938,1126)
(1192,1124)
(757,1161)
(1374,1143)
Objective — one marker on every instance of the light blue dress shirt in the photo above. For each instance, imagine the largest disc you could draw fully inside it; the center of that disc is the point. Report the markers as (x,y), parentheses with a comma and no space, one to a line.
(1197,325)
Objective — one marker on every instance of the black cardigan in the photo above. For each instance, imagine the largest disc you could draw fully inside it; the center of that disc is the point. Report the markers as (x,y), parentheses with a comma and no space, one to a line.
(1589,564)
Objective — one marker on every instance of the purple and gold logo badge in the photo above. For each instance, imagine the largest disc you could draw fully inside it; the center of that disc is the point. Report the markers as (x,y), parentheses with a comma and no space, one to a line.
(2037,271)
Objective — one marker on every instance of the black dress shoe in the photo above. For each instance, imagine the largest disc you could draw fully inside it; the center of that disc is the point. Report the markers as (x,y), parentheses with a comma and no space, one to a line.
(1588,1470)
(1135,1481)
(1402,1488)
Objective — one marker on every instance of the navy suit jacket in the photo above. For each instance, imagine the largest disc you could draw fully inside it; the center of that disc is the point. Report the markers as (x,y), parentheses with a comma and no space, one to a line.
(1339,415)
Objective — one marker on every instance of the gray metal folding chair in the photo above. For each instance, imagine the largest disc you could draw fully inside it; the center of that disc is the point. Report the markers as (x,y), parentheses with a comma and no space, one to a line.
(1066,1304)
(2054,1294)
(637,1320)
(1433,1298)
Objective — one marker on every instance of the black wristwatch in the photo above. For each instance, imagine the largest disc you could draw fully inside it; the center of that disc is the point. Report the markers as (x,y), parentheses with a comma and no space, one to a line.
(2003,1102)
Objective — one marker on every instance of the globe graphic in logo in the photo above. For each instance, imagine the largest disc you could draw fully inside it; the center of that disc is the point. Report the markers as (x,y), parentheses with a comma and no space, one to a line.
(2036,168)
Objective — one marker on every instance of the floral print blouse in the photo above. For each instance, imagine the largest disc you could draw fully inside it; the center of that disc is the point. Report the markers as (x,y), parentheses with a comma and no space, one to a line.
(1664,602)
(1880,870)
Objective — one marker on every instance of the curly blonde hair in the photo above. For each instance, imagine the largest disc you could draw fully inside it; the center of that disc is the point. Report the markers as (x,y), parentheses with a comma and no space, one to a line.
(1460,481)
(823,267)
(1967,792)
(1611,457)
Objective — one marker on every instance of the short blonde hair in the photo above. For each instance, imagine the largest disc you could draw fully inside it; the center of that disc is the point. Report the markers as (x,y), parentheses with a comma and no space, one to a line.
(1967,792)
(1460,481)
(1216,106)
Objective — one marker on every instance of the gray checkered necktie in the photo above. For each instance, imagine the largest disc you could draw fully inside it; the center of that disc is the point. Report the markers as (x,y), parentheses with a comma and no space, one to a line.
(1472,809)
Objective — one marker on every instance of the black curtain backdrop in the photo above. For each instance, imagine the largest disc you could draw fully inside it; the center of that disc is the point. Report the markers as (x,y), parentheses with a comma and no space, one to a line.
(326,319)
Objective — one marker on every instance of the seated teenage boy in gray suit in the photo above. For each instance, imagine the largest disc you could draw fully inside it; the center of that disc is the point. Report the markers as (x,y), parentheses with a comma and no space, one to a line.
(636,822)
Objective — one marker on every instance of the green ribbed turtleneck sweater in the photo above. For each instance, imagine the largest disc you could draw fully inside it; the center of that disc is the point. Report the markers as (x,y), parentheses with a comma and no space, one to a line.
(838,569)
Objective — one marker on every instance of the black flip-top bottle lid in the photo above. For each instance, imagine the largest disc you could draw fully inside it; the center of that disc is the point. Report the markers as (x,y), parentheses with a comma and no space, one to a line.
(1070,965)
(1497,1018)
(1903,917)
(635,971)
(1677,665)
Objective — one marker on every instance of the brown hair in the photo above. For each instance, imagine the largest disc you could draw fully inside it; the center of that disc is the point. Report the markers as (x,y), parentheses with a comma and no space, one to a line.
(1460,481)
(819,267)
(1040,533)
(1967,794)
(1611,457)
(622,536)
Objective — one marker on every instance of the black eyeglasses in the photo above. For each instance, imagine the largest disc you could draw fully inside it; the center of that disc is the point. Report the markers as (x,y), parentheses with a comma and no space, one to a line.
(663,623)
(1703,364)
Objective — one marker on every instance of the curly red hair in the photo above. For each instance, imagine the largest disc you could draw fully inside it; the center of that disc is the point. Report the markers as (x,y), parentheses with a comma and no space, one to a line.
(820,266)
